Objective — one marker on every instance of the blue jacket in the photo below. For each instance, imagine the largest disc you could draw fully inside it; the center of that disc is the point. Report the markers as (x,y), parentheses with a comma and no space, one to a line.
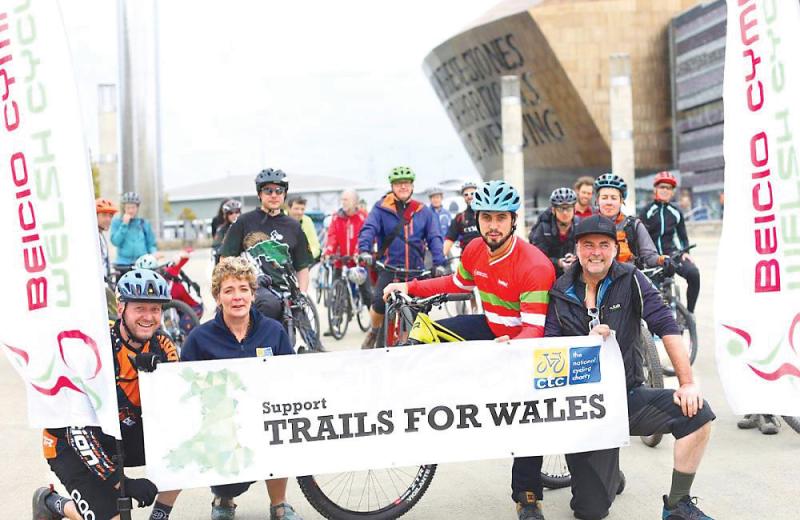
(407,250)
(214,340)
(444,219)
(132,240)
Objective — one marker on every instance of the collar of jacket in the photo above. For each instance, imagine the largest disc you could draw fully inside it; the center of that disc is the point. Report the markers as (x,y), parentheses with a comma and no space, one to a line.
(255,318)
(389,203)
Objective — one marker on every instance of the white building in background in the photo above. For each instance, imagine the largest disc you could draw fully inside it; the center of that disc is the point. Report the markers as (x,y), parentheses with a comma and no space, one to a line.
(204,198)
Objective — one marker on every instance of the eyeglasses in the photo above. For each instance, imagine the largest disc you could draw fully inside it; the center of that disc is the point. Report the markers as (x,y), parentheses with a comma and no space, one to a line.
(469,194)
(565,209)
(594,314)
(280,190)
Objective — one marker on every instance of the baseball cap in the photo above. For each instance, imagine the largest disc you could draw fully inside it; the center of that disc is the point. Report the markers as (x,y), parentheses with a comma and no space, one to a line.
(596,225)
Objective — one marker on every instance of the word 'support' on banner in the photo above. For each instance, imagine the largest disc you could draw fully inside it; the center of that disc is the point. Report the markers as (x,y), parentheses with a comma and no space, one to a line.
(757,290)
(252,419)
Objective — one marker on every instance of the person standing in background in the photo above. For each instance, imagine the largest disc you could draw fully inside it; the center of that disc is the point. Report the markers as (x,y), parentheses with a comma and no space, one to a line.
(132,235)
(584,189)
(436,195)
(297,210)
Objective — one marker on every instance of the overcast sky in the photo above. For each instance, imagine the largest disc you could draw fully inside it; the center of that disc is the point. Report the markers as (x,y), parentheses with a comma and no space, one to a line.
(328,88)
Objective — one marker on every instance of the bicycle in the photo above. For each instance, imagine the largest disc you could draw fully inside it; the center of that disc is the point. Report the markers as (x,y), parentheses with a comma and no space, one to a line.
(323,281)
(387,493)
(394,330)
(299,317)
(672,298)
(347,299)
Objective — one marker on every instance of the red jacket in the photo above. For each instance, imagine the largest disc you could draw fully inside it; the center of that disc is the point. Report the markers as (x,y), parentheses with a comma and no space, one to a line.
(343,233)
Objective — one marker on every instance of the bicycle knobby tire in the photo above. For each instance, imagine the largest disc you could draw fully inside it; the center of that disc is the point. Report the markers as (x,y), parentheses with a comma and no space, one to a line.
(339,508)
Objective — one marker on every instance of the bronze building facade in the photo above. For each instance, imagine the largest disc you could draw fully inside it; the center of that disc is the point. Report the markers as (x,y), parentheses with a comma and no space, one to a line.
(560,49)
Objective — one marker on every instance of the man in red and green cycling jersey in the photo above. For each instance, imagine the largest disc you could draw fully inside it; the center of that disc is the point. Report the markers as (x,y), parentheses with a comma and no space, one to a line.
(513,278)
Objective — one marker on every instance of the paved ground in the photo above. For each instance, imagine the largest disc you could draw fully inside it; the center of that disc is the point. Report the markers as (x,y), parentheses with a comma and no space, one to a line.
(745,475)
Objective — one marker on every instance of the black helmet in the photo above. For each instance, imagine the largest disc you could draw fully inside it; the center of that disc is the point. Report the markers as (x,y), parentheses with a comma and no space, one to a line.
(271,176)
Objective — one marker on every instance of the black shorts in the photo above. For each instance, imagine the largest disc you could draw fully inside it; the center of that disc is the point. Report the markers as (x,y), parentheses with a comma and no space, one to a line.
(652,410)
(95,498)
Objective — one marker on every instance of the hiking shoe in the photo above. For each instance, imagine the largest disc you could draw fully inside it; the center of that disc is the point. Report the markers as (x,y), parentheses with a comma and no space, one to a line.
(39,508)
(528,506)
(768,424)
(223,509)
(748,422)
(685,510)
(283,511)
(369,340)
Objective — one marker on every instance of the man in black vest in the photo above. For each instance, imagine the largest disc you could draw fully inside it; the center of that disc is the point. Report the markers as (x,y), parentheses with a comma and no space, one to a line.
(599,295)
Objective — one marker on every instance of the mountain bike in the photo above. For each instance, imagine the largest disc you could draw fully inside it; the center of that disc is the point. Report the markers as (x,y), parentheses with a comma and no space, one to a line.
(300,317)
(347,299)
(382,494)
(459,308)
(323,281)
(670,291)
(393,331)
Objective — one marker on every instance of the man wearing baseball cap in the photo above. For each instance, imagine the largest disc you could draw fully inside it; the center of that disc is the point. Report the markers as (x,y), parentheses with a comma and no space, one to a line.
(596,295)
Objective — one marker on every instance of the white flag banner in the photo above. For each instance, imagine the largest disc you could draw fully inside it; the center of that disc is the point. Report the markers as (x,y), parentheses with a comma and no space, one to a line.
(757,307)
(219,422)
(54,326)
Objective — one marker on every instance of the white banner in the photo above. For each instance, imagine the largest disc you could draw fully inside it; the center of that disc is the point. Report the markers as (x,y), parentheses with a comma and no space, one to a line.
(54,326)
(218,422)
(758,269)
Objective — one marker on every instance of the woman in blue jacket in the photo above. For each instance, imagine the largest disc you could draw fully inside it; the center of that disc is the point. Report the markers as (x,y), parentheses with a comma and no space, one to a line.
(239,331)
(132,236)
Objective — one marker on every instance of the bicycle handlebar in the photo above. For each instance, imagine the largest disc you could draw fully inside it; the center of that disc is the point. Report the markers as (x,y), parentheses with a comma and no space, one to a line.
(410,273)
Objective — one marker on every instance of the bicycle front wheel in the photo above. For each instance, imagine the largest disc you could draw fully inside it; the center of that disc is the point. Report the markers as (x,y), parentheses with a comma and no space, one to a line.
(555,472)
(177,320)
(382,494)
(688,328)
(339,309)
(653,374)
(306,322)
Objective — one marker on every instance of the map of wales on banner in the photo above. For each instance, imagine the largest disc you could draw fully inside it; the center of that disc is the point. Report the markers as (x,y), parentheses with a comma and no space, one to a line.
(218,422)
(757,290)
(54,327)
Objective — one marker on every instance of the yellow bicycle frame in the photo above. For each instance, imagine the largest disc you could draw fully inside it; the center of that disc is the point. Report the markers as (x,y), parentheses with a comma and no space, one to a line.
(425,330)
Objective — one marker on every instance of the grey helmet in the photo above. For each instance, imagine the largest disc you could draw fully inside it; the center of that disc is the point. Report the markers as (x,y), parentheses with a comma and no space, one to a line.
(130,197)
(563,197)
(467,185)
(232,206)
(271,176)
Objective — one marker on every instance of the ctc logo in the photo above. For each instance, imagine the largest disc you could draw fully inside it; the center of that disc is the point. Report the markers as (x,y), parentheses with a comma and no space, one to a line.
(550,368)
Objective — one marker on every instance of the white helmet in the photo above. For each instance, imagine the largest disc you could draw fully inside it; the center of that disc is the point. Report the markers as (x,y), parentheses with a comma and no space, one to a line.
(146,262)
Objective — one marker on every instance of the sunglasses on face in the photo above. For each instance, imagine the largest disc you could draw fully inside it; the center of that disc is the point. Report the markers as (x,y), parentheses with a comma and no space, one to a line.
(278,191)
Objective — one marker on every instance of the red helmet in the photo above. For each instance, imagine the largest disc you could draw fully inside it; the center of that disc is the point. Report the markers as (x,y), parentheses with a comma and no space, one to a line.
(665,178)
(105,206)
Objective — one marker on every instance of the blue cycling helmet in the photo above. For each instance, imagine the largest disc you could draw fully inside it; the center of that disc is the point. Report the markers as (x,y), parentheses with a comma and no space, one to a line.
(496,196)
(563,197)
(611,180)
(142,285)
